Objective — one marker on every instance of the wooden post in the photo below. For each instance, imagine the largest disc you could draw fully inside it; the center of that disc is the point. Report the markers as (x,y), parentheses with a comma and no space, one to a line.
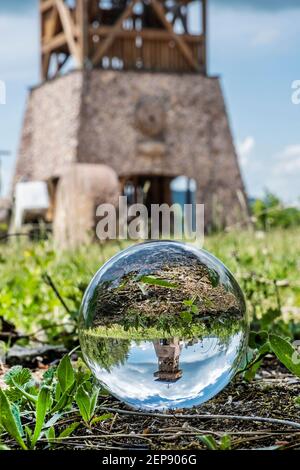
(204,32)
(69,29)
(186,51)
(110,39)
(49,20)
(82,18)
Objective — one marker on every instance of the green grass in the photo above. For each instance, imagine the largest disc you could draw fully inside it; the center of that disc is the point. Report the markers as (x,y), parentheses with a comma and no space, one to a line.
(151,333)
(266,266)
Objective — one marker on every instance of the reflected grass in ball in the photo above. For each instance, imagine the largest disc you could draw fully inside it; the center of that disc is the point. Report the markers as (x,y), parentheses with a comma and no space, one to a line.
(163,325)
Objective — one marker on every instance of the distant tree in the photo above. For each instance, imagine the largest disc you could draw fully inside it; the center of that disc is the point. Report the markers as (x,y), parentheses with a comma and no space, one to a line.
(269,212)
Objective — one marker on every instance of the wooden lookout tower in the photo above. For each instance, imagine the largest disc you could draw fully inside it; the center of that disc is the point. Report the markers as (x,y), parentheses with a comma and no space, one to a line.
(125,103)
(168,355)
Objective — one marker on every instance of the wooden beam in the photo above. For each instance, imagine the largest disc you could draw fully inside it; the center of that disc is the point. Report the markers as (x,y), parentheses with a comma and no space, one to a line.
(82,22)
(158,8)
(45,63)
(56,42)
(50,23)
(46,5)
(204,32)
(159,34)
(69,29)
(49,27)
(110,39)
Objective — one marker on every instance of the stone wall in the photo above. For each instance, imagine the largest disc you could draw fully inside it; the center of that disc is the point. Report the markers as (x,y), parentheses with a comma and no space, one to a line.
(50,131)
(138,124)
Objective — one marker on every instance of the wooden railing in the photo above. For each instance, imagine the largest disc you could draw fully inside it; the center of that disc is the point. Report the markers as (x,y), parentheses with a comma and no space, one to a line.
(154,50)
(127,42)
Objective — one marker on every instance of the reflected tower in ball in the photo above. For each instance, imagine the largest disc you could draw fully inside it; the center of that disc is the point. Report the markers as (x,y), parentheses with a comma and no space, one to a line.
(163,325)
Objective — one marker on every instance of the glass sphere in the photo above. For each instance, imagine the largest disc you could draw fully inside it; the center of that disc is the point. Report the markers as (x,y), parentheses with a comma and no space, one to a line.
(163,325)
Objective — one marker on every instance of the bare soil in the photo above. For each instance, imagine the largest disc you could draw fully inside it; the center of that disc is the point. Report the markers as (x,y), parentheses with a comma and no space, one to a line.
(270,395)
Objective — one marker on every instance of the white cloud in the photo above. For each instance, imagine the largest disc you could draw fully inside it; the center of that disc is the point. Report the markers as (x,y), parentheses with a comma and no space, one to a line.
(290,151)
(206,366)
(266,37)
(250,30)
(279,174)
(244,149)
(288,161)
(284,175)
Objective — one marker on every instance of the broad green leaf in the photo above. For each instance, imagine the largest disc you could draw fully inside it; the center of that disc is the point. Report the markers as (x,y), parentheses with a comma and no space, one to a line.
(154,281)
(21,384)
(7,420)
(69,430)
(16,414)
(86,398)
(65,373)
(42,407)
(83,402)
(285,353)
(257,339)
(252,366)
(65,399)
(94,399)
(18,375)
(209,442)
(28,396)
(264,349)
(58,392)
(83,373)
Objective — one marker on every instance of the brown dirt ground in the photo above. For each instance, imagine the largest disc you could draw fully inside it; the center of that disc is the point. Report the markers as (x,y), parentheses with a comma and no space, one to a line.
(270,395)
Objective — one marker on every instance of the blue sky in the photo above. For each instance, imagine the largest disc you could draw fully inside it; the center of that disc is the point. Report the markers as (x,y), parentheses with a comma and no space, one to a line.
(253,45)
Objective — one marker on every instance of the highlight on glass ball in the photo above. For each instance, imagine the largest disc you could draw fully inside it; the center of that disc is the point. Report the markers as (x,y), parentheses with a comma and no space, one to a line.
(163,325)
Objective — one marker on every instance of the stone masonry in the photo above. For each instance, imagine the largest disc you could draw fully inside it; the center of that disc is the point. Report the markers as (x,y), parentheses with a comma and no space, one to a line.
(137,123)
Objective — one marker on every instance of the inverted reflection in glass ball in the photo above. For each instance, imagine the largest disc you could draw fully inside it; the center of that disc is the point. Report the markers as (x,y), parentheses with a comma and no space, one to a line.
(163,325)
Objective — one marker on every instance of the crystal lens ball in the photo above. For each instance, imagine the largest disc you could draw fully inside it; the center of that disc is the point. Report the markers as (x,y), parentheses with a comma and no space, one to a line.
(163,325)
